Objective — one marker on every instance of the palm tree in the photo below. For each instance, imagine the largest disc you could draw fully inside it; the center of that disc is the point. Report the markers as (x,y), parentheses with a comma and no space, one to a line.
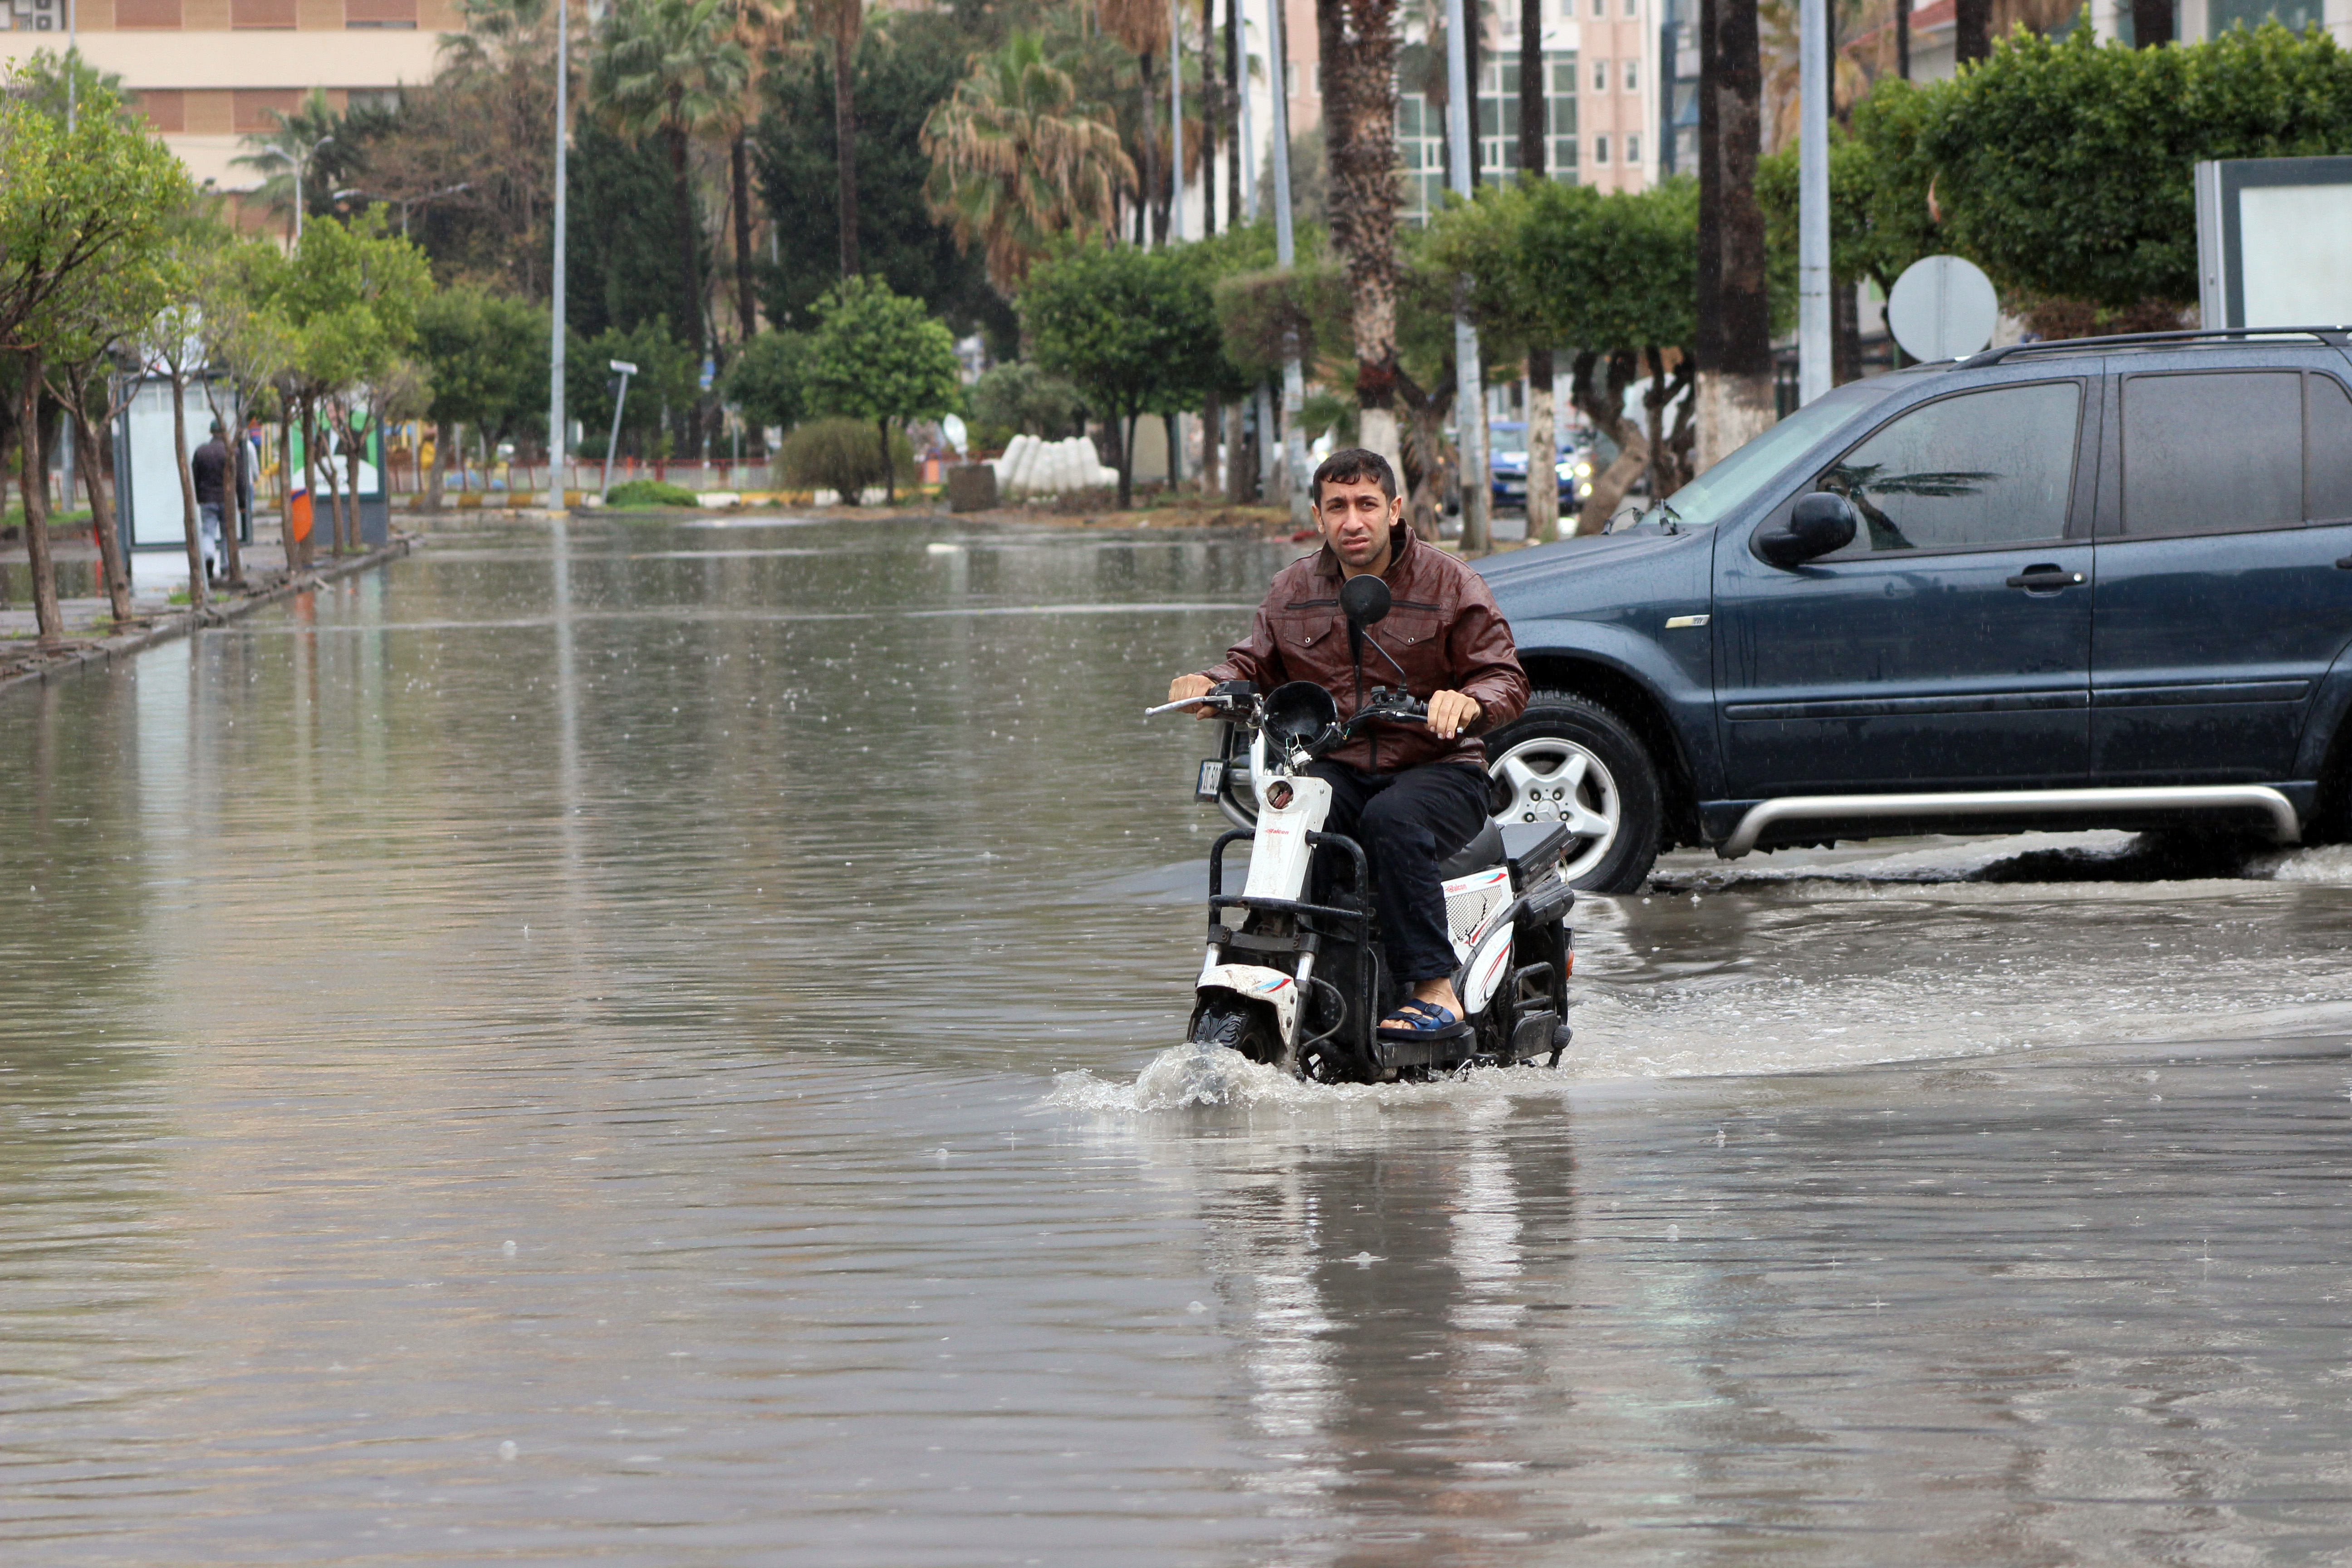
(844,23)
(289,158)
(671,69)
(1017,160)
(1360,89)
(761,27)
(1142,27)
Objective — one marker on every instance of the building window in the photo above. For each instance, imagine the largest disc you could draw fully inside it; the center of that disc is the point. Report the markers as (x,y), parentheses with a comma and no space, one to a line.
(1289,79)
(1633,148)
(1600,7)
(261,12)
(1601,149)
(144,14)
(379,13)
(1601,76)
(1633,7)
(166,110)
(1632,76)
(1421,130)
(258,107)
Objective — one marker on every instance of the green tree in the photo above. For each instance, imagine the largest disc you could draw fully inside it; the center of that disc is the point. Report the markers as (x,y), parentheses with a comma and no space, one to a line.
(665,383)
(671,70)
(878,356)
(1612,277)
(906,63)
(1016,397)
(1018,162)
(622,241)
(72,203)
(485,356)
(2063,168)
(351,294)
(1135,331)
(768,380)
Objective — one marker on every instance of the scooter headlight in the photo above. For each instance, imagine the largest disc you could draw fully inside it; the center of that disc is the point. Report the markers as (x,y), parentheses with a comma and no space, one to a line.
(1279,793)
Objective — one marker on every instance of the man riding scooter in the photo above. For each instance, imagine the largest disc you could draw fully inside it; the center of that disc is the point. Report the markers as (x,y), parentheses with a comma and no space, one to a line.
(1411,794)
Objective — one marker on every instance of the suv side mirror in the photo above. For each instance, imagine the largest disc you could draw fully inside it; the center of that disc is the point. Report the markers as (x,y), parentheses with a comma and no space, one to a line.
(1818,524)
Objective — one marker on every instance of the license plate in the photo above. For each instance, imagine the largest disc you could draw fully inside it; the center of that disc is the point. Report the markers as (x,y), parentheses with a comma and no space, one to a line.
(1212,779)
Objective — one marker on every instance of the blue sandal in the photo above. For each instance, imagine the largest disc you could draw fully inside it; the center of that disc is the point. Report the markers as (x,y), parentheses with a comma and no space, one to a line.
(1421,1021)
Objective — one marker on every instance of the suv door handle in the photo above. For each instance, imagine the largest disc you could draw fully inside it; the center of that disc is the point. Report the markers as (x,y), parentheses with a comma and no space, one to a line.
(2045,579)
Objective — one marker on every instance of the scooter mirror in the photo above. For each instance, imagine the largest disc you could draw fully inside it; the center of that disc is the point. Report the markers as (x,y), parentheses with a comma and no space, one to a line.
(1365,599)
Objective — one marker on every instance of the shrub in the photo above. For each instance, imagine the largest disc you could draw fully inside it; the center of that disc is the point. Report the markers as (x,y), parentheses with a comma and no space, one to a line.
(841,455)
(1017,397)
(651,492)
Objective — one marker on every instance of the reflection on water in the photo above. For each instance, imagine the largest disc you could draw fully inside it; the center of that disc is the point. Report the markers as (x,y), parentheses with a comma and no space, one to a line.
(582,1048)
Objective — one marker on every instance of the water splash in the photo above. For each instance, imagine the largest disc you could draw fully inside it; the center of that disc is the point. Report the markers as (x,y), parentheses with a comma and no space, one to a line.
(1196,1076)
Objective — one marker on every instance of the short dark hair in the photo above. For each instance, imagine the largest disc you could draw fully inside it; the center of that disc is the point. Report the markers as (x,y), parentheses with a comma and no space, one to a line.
(1353,465)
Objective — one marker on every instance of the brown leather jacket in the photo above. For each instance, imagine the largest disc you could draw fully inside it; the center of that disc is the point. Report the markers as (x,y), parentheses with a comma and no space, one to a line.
(1444,628)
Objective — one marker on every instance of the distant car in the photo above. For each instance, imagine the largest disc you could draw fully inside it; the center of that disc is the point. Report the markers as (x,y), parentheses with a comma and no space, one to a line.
(1507,464)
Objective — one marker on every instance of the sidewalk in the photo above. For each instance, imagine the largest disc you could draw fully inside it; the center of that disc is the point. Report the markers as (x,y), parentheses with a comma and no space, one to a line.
(91,635)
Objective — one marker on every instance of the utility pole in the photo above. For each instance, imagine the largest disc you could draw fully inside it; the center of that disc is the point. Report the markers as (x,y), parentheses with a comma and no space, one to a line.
(555,431)
(1469,381)
(1294,384)
(1814,374)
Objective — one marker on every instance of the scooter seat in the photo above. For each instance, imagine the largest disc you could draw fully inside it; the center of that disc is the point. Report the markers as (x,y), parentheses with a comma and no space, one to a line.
(1485,849)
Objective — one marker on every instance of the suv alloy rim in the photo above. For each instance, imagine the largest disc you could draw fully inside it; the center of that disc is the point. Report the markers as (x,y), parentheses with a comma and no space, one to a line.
(1553,780)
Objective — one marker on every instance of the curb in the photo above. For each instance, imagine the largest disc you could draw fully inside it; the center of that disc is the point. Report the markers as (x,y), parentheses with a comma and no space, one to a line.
(107,650)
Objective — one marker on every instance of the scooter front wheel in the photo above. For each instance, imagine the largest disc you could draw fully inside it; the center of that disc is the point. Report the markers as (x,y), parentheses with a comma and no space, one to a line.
(1245,1027)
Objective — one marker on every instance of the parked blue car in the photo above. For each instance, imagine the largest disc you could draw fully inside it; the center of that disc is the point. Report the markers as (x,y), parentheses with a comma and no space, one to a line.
(1507,464)
(2089,584)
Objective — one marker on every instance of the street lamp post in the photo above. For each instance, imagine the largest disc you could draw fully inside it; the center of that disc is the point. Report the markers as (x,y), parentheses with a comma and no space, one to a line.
(613,442)
(558,281)
(404,203)
(1814,372)
(299,164)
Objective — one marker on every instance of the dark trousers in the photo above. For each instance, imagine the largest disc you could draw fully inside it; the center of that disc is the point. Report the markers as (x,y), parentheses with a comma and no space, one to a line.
(1407,823)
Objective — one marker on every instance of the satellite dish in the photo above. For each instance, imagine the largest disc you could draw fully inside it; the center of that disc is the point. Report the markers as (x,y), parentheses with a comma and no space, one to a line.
(952,428)
(1942,308)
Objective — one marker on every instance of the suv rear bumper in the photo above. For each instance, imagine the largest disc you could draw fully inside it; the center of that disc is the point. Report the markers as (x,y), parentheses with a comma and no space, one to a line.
(1736,826)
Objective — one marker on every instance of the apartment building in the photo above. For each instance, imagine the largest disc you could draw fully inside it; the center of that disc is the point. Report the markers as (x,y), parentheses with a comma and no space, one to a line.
(207,73)
(1601,86)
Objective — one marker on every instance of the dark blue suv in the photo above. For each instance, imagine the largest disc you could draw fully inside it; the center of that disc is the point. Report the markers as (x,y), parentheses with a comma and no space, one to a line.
(2099,583)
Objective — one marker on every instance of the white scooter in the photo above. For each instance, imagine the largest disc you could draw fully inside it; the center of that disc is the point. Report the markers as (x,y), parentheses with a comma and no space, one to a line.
(1297,980)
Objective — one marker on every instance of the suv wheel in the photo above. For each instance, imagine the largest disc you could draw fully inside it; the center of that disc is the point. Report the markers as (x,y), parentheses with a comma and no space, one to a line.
(1568,758)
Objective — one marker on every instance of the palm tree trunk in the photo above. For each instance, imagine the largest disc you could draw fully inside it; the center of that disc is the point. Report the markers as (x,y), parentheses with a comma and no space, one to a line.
(746,311)
(1972,27)
(1237,83)
(682,199)
(1209,105)
(1735,343)
(189,524)
(1360,75)
(1535,131)
(1156,220)
(845,136)
(31,478)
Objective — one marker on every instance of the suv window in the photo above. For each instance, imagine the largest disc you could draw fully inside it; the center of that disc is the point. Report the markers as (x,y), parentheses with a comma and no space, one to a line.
(2212,453)
(2327,443)
(1978,469)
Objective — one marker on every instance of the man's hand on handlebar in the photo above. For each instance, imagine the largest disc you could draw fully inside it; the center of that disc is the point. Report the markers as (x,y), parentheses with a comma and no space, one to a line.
(1450,712)
(1185,686)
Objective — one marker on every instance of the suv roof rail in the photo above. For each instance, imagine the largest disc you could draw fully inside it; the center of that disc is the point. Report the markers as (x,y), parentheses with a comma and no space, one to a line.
(2335,337)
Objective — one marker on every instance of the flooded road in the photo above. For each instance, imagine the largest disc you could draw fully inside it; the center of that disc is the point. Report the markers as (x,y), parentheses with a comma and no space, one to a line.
(652,1045)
